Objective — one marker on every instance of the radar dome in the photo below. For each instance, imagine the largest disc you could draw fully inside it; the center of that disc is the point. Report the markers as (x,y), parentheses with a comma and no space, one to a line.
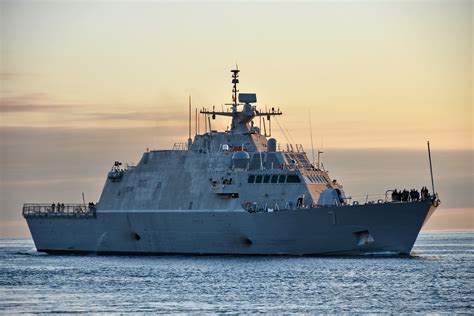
(240,160)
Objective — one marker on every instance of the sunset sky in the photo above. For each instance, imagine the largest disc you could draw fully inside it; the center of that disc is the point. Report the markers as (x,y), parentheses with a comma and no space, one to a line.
(84,83)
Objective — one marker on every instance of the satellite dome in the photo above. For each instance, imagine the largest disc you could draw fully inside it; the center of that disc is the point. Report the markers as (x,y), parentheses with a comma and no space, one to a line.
(240,160)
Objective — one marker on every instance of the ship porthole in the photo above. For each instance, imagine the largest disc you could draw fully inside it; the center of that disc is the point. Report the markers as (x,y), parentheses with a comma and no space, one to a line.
(137,236)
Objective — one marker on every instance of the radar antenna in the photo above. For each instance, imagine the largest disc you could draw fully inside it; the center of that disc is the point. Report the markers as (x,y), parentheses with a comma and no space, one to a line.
(241,121)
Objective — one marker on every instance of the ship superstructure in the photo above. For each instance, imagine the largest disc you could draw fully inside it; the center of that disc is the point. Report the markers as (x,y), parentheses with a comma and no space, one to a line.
(231,192)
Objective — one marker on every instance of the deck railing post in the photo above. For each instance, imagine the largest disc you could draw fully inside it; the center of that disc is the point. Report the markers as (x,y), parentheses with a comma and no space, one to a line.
(30,209)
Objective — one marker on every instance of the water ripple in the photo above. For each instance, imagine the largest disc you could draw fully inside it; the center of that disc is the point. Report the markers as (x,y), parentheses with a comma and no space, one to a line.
(436,278)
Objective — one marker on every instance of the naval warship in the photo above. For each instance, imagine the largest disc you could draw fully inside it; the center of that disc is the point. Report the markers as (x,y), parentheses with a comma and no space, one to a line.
(236,191)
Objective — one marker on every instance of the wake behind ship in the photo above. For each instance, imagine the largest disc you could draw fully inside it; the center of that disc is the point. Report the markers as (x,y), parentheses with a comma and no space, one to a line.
(231,192)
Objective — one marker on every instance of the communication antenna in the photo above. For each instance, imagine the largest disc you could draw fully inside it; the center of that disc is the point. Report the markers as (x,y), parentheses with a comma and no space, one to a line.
(320,151)
(264,124)
(196,121)
(431,167)
(189,138)
(311,133)
(265,127)
(84,200)
(270,122)
(209,123)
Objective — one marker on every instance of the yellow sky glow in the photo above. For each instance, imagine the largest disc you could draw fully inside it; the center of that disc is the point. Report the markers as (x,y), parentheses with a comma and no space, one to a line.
(366,71)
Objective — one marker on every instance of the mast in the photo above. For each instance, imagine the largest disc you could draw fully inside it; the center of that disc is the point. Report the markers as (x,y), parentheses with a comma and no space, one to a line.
(241,120)
(235,81)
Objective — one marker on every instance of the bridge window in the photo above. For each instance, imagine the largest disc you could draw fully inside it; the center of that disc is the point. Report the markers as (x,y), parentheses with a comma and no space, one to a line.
(282,178)
(293,178)
(322,179)
(251,179)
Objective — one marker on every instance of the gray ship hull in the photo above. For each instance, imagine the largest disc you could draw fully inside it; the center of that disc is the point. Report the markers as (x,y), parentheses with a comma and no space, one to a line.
(343,230)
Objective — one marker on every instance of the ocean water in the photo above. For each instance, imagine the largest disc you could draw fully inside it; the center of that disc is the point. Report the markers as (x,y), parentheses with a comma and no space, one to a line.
(437,277)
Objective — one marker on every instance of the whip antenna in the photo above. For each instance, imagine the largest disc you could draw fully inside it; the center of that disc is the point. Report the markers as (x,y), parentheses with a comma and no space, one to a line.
(431,167)
(311,133)
(320,151)
(189,134)
(195,121)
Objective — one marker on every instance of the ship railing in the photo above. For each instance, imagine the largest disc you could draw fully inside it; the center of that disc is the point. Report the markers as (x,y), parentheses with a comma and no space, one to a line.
(59,210)
(180,146)
(366,199)
(380,198)
(256,207)
(291,148)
